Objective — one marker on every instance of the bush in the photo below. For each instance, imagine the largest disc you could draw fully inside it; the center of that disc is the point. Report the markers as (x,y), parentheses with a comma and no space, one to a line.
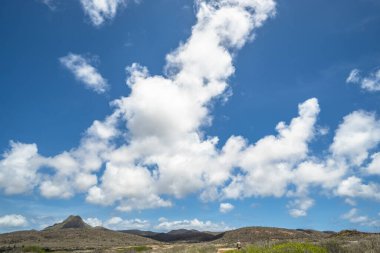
(290,247)
(34,249)
(135,249)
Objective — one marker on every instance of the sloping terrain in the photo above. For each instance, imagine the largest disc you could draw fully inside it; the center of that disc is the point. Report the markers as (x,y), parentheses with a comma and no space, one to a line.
(71,222)
(72,234)
(254,234)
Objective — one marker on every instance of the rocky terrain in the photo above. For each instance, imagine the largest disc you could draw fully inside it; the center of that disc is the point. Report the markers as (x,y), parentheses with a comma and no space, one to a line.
(74,235)
(71,234)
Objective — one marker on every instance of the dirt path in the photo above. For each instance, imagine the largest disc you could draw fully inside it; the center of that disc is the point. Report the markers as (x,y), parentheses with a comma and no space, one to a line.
(222,250)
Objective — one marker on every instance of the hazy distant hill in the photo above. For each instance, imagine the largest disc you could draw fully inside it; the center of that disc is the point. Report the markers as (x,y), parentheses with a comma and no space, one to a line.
(179,235)
(139,232)
(73,233)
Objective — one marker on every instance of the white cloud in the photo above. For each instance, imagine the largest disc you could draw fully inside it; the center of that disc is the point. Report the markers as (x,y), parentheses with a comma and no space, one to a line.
(226,207)
(354,76)
(100,11)
(164,115)
(356,136)
(118,223)
(371,82)
(299,207)
(94,222)
(84,72)
(153,148)
(191,224)
(13,220)
(268,164)
(18,168)
(353,217)
(354,187)
(374,167)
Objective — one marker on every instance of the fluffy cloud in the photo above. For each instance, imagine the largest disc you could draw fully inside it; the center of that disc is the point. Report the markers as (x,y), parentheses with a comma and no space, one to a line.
(153,148)
(163,224)
(167,152)
(226,207)
(267,165)
(94,222)
(18,168)
(196,224)
(371,82)
(299,207)
(13,220)
(353,217)
(84,72)
(100,11)
(356,136)
(374,167)
(117,223)
(354,187)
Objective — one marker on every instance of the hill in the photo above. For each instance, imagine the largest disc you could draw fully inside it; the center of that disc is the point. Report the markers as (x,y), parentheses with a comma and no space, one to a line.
(254,234)
(179,235)
(71,222)
(72,234)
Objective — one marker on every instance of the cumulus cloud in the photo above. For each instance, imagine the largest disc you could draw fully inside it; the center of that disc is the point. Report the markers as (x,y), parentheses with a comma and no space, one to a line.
(267,165)
(373,167)
(99,11)
(93,222)
(353,217)
(118,223)
(18,168)
(196,224)
(84,72)
(167,152)
(13,220)
(299,207)
(356,136)
(354,187)
(154,148)
(370,83)
(226,207)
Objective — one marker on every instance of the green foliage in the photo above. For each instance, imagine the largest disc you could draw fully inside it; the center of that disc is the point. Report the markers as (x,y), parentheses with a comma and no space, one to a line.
(134,249)
(34,249)
(289,247)
(189,249)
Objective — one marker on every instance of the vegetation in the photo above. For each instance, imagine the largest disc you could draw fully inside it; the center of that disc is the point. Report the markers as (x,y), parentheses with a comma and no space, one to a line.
(289,247)
(371,245)
(134,249)
(33,249)
(189,249)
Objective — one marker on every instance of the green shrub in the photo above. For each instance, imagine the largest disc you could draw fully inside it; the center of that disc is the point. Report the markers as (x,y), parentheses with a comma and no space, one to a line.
(290,247)
(34,249)
(134,249)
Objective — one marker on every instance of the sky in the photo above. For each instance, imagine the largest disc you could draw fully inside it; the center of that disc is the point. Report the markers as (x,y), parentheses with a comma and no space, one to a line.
(204,114)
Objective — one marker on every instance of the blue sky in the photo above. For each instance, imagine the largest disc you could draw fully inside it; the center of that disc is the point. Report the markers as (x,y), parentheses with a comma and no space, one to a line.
(162,114)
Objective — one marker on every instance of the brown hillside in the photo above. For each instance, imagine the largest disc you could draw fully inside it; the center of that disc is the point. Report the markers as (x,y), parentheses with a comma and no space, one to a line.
(71,235)
(254,234)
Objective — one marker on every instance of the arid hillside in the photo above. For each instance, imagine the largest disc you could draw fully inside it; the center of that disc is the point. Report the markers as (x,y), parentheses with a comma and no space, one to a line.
(71,234)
